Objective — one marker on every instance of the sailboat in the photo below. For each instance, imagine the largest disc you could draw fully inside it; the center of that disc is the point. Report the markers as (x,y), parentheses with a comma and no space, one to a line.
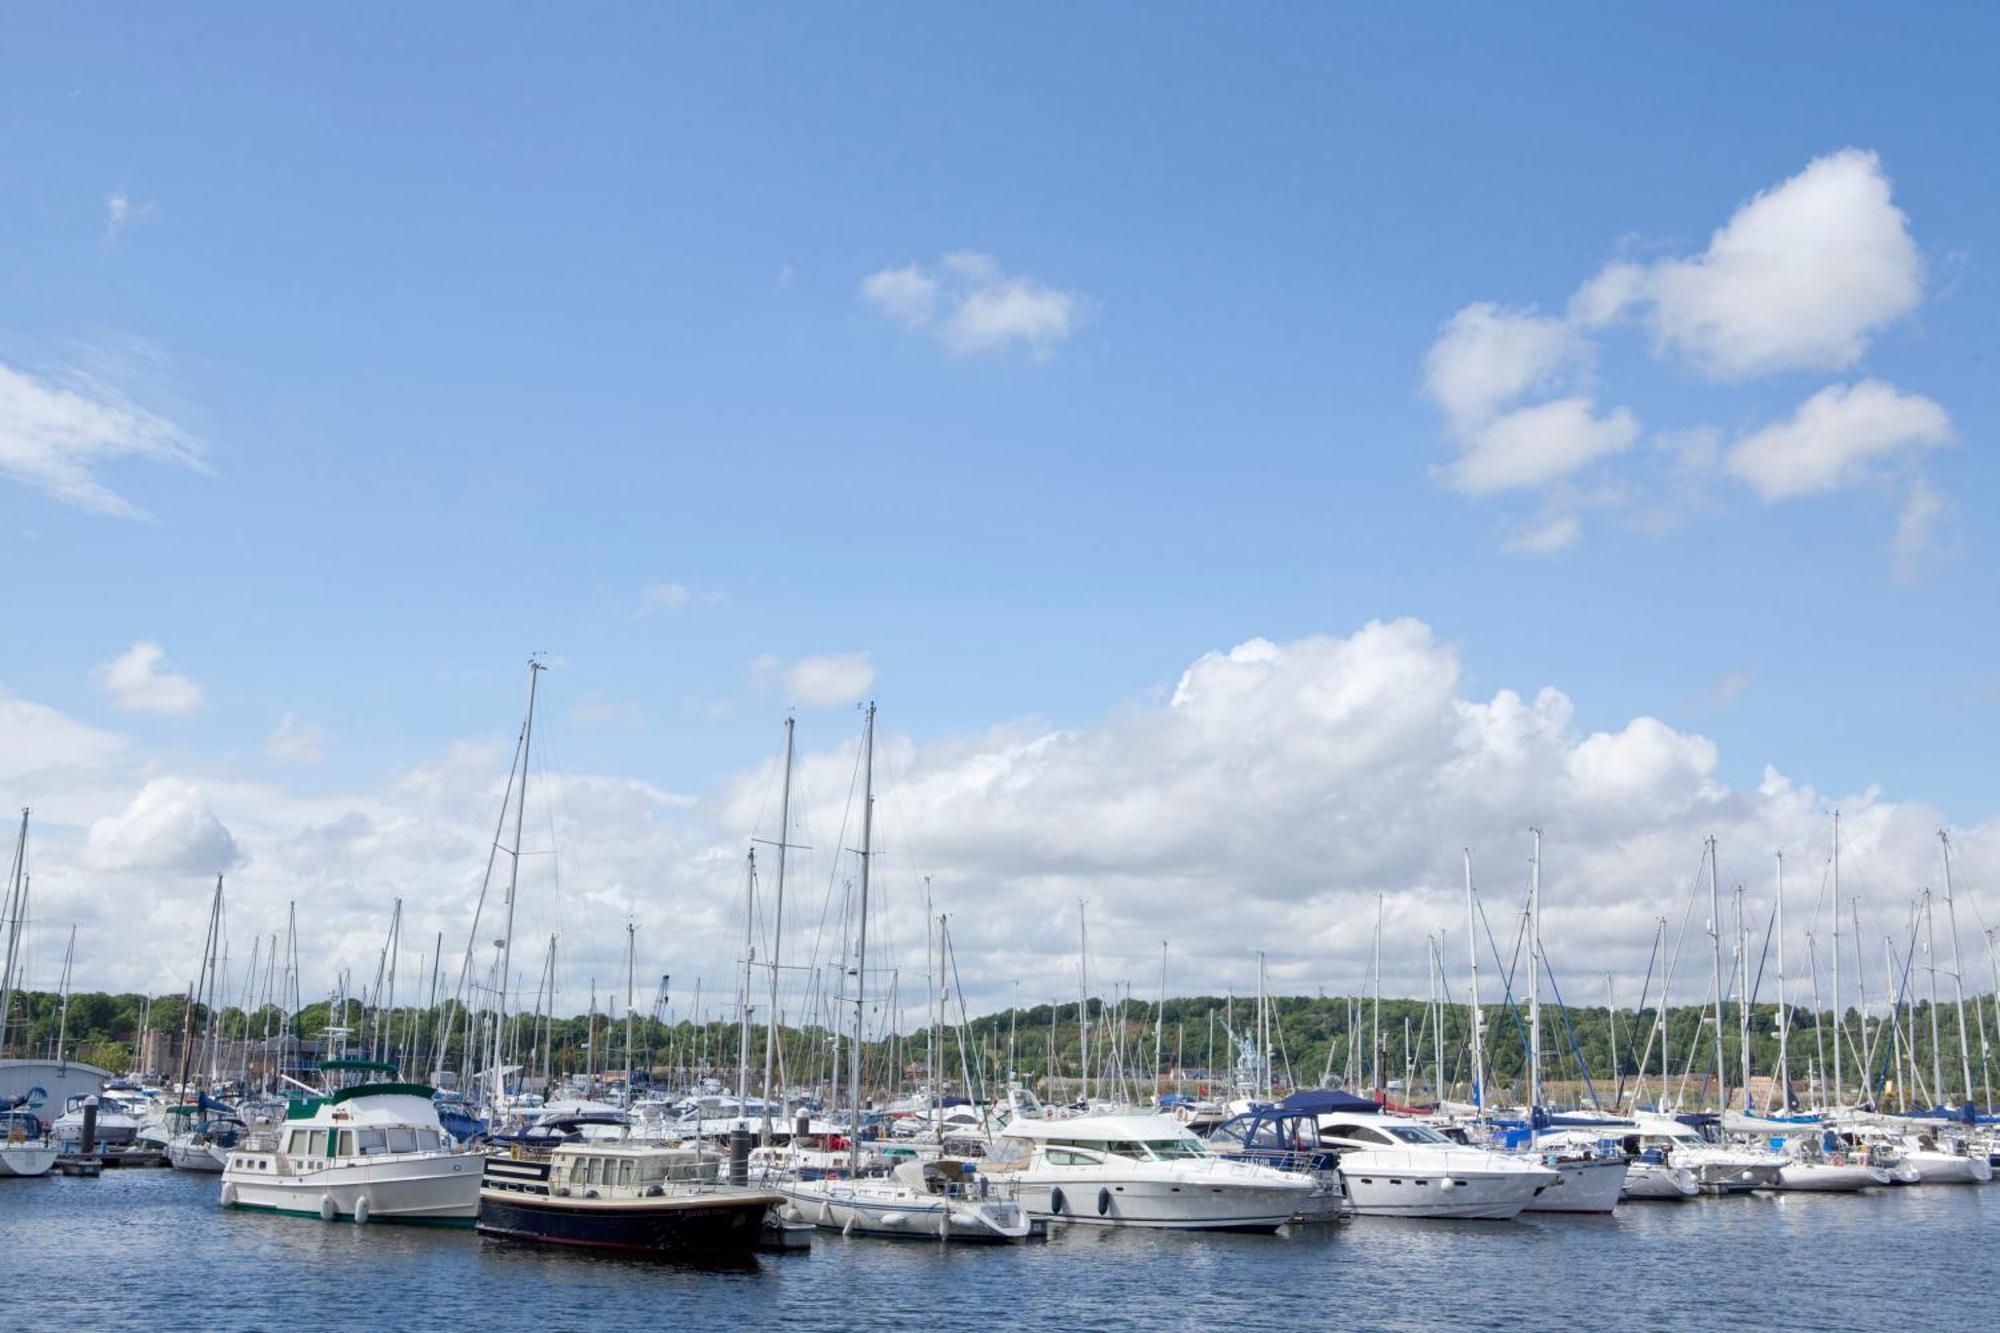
(942,1198)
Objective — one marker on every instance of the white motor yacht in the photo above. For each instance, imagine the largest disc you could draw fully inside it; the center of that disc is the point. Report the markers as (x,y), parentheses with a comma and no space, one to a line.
(942,1199)
(1394,1167)
(1651,1177)
(370,1151)
(1942,1160)
(1139,1171)
(1593,1173)
(116,1126)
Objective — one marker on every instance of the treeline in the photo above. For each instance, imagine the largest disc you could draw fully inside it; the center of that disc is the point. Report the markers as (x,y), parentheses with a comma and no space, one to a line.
(1312,1039)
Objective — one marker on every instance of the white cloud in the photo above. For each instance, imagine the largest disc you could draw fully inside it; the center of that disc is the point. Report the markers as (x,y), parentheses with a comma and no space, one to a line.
(1487,356)
(55,438)
(43,744)
(1533,446)
(1797,279)
(121,212)
(1839,436)
(136,684)
(824,681)
(662,597)
(1548,534)
(1277,788)
(1923,523)
(296,742)
(971,306)
(167,826)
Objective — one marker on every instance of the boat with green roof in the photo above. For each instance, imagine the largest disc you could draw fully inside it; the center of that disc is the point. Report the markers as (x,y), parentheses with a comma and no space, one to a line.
(367,1151)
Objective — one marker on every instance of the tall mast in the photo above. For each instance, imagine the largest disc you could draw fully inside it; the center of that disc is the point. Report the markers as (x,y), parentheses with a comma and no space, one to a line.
(631,995)
(1535,987)
(1836,959)
(1957,968)
(1784,1044)
(1083,1000)
(1375,1036)
(1743,995)
(749,957)
(17,908)
(513,883)
(1930,958)
(1159,1027)
(1715,939)
(861,948)
(777,927)
(1472,949)
(62,1022)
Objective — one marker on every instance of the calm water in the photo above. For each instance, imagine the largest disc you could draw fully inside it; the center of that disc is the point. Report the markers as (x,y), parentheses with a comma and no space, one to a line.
(151,1249)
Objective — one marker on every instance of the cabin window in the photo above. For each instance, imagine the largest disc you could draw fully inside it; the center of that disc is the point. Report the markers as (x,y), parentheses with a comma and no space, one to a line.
(346,1143)
(371,1141)
(625,1171)
(1362,1134)
(295,1142)
(402,1138)
(428,1140)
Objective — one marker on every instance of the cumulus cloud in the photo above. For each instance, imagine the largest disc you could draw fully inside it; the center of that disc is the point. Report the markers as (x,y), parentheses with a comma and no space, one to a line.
(121,212)
(822,681)
(296,742)
(1837,437)
(136,683)
(1797,279)
(970,305)
(43,744)
(55,438)
(167,826)
(1259,803)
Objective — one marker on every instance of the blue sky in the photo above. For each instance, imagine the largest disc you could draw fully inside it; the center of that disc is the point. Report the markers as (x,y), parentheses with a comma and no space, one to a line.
(486,319)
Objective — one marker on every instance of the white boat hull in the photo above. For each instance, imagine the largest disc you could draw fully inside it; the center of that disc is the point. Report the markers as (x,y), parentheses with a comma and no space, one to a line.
(883,1210)
(1656,1180)
(1584,1187)
(419,1187)
(27,1159)
(187,1155)
(1945,1168)
(1103,1200)
(1831,1177)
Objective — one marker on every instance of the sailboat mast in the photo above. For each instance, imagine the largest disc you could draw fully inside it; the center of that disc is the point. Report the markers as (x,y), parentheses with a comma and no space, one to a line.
(1159,1028)
(749,957)
(1535,988)
(1472,950)
(1715,939)
(1836,959)
(1375,1035)
(631,994)
(17,908)
(1957,967)
(1083,999)
(513,883)
(1930,960)
(1743,995)
(1784,1037)
(777,927)
(861,946)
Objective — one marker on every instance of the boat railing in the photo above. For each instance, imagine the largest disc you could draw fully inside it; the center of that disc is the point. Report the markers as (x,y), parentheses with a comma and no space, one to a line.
(1296,1161)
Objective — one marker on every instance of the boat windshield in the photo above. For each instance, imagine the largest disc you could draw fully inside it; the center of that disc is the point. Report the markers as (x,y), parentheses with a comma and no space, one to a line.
(1152,1150)
(1417,1134)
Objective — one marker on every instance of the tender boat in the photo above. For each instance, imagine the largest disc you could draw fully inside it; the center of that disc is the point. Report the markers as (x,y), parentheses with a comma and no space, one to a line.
(25,1146)
(1649,1176)
(940,1198)
(1139,1171)
(631,1196)
(1394,1167)
(369,1151)
(1718,1168)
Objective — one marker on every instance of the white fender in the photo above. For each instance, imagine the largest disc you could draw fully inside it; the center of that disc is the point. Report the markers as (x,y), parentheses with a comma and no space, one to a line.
(361,1210)
(894,1219)
(229,1194)
(327,1211)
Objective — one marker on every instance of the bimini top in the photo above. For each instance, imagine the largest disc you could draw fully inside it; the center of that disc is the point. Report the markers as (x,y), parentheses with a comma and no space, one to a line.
(1101,1129)
(1326,1101)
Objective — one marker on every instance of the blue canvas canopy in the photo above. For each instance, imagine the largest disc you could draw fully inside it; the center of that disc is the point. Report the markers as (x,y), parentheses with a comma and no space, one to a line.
(1328,1101)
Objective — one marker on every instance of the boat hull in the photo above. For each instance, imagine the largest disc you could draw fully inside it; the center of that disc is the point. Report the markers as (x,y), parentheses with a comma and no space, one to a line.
(1656,1180)
(708,1224)
(26,1159)
(1944,1168)
(186,1155)
(1585,1187)
(1164,1205)
(1830,1177)
(439,1188)
(832,1206)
